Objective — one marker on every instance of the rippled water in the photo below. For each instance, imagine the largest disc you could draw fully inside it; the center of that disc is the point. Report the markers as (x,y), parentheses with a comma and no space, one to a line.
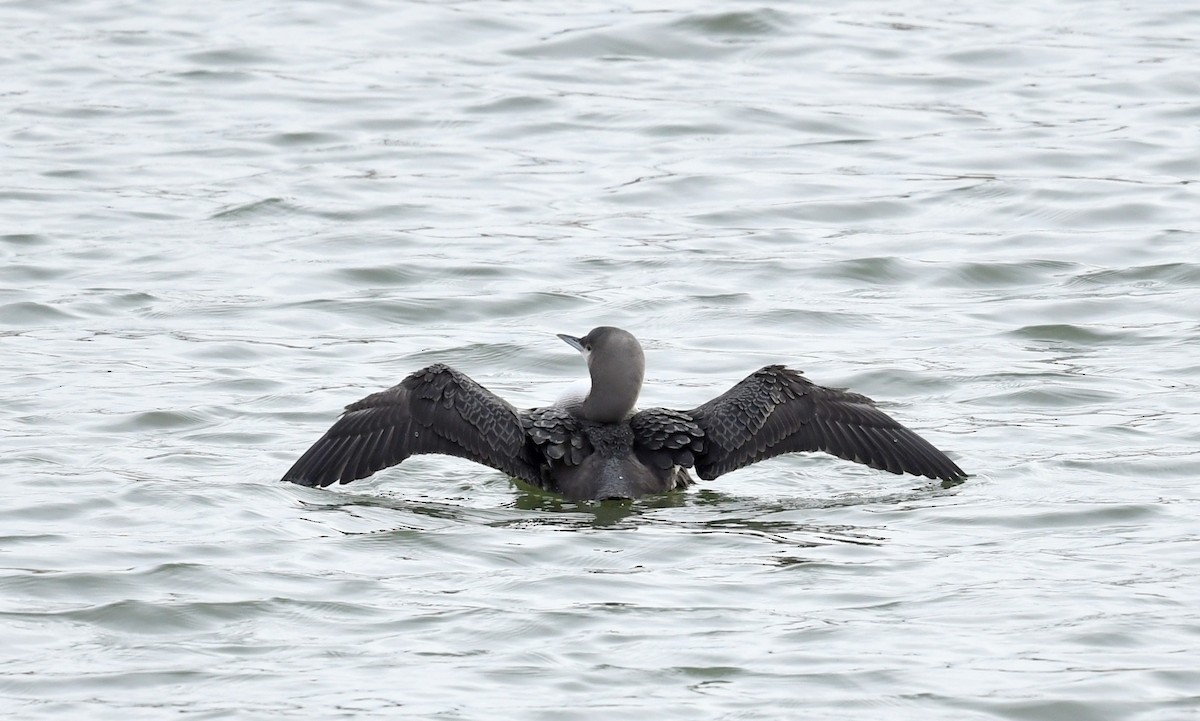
(223,224)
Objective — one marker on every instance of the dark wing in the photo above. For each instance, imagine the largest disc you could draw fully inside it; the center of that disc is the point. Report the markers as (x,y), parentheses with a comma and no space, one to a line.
(776,410)
(435,410)
(557,435)
(664,438)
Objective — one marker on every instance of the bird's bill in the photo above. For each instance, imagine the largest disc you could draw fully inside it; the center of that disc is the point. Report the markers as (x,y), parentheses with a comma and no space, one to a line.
(576,343)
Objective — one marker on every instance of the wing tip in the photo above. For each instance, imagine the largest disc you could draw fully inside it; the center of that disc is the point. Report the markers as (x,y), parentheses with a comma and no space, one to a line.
(307,475)
(301,481)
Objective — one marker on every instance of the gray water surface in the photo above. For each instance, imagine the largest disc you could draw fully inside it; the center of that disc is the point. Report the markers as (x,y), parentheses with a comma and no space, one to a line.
(222,224)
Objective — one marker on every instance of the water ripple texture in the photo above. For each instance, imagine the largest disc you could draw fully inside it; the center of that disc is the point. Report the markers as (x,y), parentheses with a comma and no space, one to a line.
(222,224)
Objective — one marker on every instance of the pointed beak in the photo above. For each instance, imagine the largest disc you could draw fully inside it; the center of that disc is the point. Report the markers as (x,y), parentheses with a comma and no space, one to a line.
(572,341)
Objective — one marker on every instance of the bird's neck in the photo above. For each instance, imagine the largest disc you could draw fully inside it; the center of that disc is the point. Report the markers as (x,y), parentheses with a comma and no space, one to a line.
(612,400)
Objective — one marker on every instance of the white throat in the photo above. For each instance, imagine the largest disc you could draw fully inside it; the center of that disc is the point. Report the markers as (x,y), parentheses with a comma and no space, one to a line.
(574,394)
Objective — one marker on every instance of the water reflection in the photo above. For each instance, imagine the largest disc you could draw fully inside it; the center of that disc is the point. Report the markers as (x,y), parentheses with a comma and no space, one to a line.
(696,510)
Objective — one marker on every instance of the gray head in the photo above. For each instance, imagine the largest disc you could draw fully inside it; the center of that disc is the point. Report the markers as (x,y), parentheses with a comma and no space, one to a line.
(617,366)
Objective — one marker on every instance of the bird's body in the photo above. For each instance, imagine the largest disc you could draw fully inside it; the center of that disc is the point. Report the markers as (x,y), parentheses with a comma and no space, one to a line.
(594,445)
(613,469)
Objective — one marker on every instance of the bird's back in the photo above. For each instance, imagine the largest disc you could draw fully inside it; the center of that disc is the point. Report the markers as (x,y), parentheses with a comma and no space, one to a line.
(612,467)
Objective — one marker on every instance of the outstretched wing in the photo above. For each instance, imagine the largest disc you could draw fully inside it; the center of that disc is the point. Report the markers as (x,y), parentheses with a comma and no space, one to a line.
(776,410)
(435,410)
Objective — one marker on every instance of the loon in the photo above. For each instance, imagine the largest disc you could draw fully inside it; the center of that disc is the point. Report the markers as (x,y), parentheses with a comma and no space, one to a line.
(594,445)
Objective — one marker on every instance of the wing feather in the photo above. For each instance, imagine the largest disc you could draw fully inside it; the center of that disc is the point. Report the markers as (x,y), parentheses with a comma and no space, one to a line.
(664,438)
(776,410)
(435,410)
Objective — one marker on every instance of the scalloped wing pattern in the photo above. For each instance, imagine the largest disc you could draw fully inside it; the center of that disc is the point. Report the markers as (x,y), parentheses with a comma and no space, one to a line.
(435,410)
(776,410)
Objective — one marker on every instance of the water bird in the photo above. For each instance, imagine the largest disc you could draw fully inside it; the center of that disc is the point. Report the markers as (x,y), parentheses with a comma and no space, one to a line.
(592,444)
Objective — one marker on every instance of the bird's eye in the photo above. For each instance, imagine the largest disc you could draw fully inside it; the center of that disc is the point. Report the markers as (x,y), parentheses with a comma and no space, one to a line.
(588,347)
